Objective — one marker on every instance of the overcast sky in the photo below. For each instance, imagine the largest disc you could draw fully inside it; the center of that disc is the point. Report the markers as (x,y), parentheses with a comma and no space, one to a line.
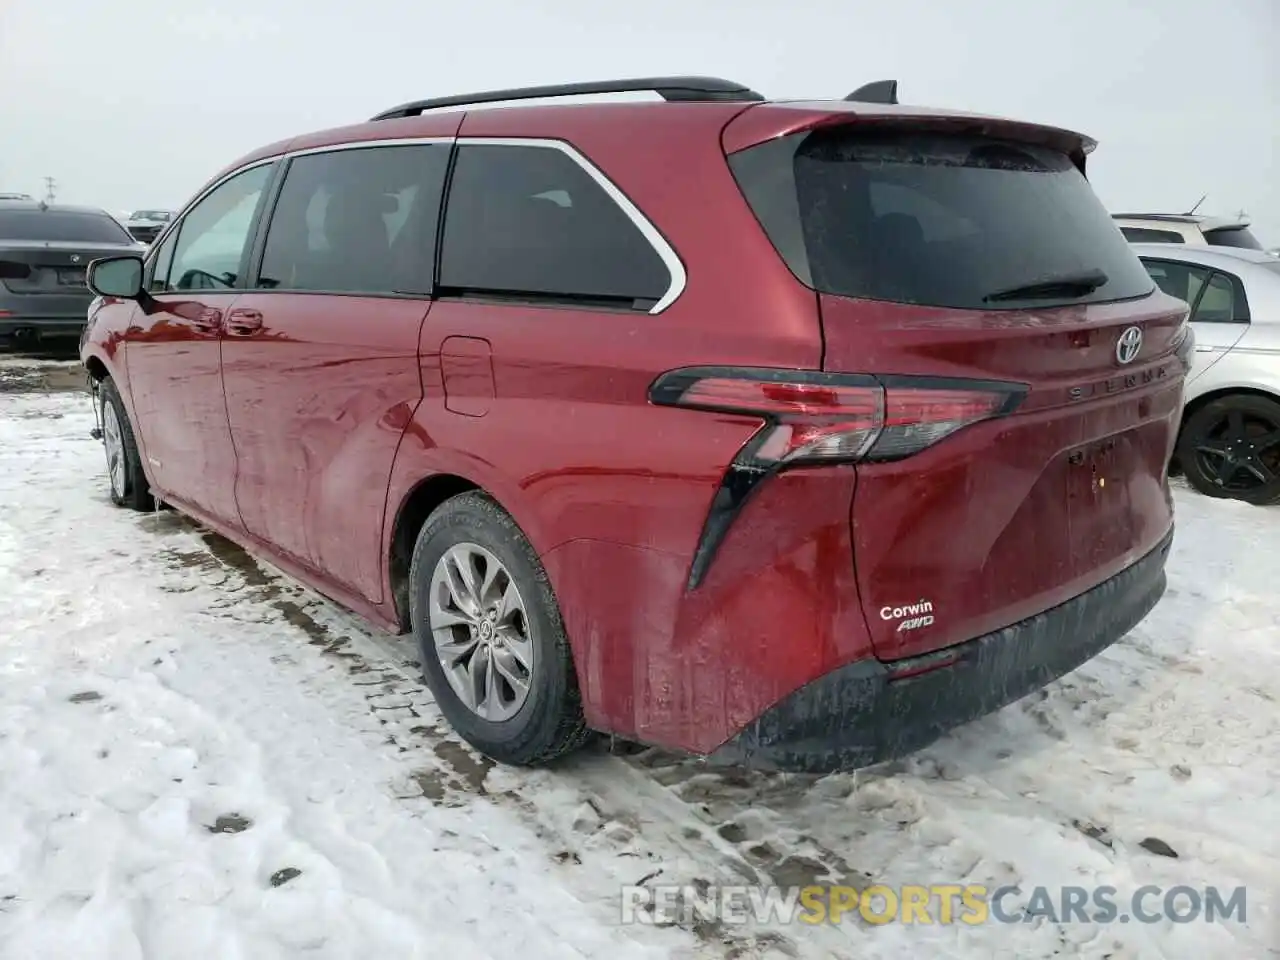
(134,103)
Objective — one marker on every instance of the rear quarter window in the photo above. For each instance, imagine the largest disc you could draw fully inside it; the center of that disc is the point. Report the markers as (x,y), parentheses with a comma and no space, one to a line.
(934,219)
(528,222)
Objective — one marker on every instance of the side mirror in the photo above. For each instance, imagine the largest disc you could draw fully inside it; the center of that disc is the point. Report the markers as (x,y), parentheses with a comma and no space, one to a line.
(119,277)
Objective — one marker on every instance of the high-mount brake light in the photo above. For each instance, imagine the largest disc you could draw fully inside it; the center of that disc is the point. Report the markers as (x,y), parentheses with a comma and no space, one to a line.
(812,418)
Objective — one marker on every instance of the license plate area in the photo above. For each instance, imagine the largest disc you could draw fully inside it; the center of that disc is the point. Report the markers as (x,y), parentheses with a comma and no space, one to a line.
(1101,520)
(70,276)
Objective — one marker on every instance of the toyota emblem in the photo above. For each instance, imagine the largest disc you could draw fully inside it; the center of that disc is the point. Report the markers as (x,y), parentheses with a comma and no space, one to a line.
(1129,345)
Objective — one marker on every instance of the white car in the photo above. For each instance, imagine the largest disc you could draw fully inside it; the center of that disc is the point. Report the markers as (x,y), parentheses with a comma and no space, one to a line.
(1186,228)
(146,225)
(1229,445)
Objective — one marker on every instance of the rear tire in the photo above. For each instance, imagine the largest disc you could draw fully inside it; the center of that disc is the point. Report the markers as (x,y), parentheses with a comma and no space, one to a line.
(125,476)
(1230,449)
(493,646)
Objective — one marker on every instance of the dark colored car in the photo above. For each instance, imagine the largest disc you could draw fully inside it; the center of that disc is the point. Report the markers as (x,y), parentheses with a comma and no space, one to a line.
(792,434)
(44,252)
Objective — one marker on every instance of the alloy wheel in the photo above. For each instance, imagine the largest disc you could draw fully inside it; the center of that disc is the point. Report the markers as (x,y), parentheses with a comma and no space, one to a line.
(1240,451)
(481,631)
(113,442)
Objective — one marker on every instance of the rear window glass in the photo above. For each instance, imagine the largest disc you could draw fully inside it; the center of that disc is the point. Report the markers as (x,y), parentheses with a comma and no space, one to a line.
(1232,237)
(938,220)
(1144,235)
(60,225)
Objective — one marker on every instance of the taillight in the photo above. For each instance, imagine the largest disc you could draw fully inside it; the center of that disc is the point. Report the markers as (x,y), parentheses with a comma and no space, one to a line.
(824,417)
(1185,345)
(810,417)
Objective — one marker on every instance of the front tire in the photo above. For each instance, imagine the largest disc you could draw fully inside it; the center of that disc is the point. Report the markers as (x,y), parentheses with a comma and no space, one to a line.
(1230,449)
(127,480)
(493,646)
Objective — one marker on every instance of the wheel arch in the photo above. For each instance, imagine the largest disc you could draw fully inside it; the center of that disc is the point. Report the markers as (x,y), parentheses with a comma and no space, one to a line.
(1200,401)
(97,368)
(422,500)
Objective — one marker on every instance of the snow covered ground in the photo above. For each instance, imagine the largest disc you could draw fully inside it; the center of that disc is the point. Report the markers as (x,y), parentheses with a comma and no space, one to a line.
(199,758)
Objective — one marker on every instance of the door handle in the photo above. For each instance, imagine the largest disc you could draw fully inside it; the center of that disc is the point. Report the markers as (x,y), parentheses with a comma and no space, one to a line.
(208,319)
(243,322)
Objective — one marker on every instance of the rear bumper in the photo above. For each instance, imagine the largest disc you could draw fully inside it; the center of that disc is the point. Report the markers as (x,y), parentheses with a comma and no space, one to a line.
(40,328)
(859,715)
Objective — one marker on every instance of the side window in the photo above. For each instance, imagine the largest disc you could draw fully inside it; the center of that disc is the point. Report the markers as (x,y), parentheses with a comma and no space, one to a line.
(213,235)
(1219,302)
(529,222)
(1181,280)
(1144,235)
(161,263)
(360,220)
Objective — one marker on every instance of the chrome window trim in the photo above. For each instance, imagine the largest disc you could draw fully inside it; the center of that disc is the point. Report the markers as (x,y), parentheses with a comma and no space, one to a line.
(664,250)
(666,253)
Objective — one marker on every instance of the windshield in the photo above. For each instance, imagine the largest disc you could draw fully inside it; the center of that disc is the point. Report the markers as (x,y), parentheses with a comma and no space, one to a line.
(937,219)
(1232,237)
(61,226)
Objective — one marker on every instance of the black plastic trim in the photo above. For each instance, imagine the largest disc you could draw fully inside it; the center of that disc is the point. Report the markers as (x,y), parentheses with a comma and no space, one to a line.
(741,479)
(858,715)
(683,89)
(541,298)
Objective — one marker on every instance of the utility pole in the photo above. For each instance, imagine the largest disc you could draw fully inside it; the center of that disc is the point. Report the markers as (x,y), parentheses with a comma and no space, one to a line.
(50,189)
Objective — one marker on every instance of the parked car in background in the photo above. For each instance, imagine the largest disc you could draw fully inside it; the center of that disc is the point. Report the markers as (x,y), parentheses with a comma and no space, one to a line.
(1186,228)
(610,442)
(1229,443)
(16,196)
(44,252)
(145,225)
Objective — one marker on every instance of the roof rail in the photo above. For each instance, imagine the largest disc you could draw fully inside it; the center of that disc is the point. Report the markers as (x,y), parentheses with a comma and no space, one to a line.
(878,91)
(669,88)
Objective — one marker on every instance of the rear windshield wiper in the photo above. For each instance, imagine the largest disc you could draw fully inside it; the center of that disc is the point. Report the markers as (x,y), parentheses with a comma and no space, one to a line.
(1065,285)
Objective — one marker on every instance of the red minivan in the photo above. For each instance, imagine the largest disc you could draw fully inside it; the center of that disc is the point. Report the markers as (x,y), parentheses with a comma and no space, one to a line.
(785,433)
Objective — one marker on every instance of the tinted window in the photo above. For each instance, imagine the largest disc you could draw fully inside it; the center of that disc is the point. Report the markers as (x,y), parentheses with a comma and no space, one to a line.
(1143,235)
(1233,237)
(936,219)
(61,226)
(532,223)
(357,220)
(1217,302)
(213,234)
(1181,280)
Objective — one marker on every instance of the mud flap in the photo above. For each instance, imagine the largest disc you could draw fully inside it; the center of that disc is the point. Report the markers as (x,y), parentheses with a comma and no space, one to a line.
(96,432)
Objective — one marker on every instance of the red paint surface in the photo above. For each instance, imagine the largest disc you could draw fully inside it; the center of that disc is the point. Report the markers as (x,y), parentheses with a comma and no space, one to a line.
(338,411)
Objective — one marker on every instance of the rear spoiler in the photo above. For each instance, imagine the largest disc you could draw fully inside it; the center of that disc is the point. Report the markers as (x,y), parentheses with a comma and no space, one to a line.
(877,104)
